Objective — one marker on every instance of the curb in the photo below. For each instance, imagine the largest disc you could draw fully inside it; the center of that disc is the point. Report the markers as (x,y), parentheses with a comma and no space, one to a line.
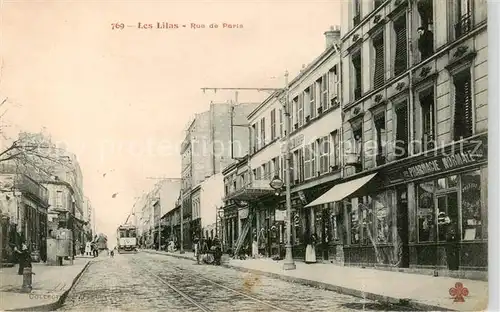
(169,254)
(339,289)
(57,304)
(343,290)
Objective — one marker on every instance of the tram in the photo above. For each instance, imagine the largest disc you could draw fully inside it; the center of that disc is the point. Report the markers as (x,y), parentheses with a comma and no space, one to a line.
(126,238)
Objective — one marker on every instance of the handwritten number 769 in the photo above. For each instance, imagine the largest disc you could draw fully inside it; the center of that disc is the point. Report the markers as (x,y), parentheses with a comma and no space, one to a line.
(117,25)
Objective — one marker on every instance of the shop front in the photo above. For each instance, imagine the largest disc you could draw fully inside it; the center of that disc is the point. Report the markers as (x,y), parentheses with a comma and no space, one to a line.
(316,224)
(424,212)
(269,226)
(445,197)
(230,226)
(357,218)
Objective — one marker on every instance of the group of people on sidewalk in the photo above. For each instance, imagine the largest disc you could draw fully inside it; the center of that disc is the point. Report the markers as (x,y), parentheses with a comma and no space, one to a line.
(89,249)
(208,250)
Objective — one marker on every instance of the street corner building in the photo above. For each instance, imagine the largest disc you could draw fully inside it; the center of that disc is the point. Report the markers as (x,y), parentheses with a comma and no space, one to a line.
(415,135)
(41,193)
(23,213)
(388,132)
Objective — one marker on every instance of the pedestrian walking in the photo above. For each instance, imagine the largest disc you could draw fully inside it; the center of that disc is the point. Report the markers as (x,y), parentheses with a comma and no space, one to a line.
(218,251)
(449,229)
(43,249)
(255,247)
(24,257)
(209,243)
(311,249)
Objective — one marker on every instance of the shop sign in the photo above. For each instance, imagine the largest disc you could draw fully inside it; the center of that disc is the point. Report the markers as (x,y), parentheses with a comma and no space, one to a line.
(441,164)
(302,197)
(279,215)
(243,213)
(296,141)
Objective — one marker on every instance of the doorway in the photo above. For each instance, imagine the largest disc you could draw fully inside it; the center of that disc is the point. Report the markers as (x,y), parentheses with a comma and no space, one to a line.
(402,225)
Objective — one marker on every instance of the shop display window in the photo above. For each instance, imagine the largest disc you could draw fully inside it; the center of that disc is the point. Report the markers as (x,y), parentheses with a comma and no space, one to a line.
(318,223)
(353,210)
(471,205)
(425,212)
(366,214)
(382,211)
(442,203)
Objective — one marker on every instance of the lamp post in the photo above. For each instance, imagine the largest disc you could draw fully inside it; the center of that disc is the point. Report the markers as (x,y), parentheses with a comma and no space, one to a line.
(289,264)
(182,224)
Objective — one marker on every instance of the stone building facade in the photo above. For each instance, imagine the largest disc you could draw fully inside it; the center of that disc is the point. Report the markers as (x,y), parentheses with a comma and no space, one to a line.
(415,130)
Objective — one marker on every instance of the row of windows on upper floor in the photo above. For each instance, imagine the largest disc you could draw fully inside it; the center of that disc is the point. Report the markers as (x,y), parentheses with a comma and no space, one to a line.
(324,93)
(397,45)
(312,102)
(385,144)
(393,143)
(425,8)
(317,158)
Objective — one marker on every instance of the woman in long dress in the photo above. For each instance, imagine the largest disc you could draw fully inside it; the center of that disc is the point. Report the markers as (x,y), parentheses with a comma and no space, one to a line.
(311,250)
(255,247)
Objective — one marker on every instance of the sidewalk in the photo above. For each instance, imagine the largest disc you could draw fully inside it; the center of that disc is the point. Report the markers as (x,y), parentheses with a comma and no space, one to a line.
(423,292)
(50,285)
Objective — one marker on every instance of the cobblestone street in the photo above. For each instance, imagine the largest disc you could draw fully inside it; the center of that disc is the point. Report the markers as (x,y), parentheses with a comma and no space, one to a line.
(140,282)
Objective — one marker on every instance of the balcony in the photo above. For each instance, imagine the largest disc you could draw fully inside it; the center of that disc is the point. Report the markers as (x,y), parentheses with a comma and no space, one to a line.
(380,159)
(356,20)
(357,93)
(354,159)
(463,26)
(428,140)
(334,102)
(29,186)
(251,191)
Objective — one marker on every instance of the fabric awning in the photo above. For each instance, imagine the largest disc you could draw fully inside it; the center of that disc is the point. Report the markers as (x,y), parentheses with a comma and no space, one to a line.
(341,191)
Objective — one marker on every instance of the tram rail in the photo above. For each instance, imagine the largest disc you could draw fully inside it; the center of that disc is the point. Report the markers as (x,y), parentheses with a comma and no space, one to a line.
(181,279)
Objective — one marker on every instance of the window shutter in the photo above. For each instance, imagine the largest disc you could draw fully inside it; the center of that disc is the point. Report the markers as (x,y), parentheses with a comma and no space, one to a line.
(281,122)
(273,124)
(307,162)
(468,126)
(400,62)
(324,92)
(463,106)
(356,62)
(402,128)
(378,79)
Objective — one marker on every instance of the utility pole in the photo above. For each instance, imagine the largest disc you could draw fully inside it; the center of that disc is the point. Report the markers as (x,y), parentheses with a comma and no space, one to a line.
(182,222)
(289,263)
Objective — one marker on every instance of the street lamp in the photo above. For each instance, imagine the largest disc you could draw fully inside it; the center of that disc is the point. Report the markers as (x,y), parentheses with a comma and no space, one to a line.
(276,184)
(288,264)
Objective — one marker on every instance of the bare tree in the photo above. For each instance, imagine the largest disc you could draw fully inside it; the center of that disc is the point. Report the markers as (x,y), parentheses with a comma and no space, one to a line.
(35,157)
(31,154)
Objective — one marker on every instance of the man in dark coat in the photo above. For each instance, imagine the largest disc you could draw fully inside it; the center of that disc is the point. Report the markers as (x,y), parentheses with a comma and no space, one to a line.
(24,257)
(425,42)
(43,249)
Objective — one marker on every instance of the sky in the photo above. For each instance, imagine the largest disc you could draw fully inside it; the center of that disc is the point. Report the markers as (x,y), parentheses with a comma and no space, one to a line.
(121,99)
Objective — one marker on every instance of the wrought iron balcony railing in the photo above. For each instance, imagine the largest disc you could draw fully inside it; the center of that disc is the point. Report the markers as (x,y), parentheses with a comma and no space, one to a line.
(463,26)
(357,93)
(356,20)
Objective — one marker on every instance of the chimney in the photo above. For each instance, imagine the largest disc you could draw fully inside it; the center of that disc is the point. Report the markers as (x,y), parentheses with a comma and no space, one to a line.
(332,36)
